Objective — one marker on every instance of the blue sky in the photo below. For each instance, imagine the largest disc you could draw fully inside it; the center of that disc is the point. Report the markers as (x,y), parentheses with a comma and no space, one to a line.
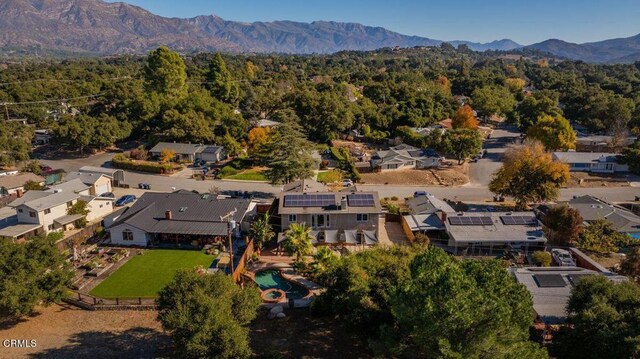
(525,21)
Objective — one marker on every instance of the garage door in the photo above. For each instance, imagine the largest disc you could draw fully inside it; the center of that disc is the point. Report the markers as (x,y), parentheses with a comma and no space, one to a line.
(102,189)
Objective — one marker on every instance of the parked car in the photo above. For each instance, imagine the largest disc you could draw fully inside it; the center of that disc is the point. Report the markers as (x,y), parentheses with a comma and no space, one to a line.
(46,169)
(563,257)
(347,183)
(421,193)
(124,200)
(108,195)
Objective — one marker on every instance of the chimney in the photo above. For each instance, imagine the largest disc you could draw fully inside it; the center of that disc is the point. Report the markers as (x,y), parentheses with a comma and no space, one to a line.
(443,216)
(167,215)
(343,203)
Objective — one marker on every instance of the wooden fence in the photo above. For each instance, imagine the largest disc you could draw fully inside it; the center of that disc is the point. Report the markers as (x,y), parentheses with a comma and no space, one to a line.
(237,271)
(407,230)
(90,302)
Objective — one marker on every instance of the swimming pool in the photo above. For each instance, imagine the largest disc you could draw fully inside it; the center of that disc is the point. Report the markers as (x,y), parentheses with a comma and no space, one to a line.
(271,279)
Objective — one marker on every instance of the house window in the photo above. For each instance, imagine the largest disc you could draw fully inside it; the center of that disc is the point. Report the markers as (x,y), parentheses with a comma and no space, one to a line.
(69,204)
(293,218)
(127,235)
(20,210)
(32,214)
(50,227)
(100,206)
(362,217)
(47,211)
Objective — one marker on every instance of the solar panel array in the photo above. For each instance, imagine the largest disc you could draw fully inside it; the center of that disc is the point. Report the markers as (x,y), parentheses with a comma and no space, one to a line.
(518,220)
(550,280)
(575,278)
(361,200)
(309,200)
(470,221)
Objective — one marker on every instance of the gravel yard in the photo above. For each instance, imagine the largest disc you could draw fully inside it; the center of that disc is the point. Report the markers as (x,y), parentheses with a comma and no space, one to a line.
(446,176)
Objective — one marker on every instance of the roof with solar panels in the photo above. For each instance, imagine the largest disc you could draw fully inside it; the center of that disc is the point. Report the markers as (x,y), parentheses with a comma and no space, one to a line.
(326,202)
(494,227)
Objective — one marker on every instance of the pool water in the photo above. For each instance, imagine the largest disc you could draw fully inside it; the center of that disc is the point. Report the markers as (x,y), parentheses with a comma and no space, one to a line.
(269,279)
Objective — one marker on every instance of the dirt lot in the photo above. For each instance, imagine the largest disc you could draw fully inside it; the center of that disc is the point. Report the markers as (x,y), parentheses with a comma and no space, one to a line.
(591,180)
(300,335)
(67,332)
(446,176)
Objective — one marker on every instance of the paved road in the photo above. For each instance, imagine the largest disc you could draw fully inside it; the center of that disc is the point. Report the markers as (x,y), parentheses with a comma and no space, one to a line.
(480,172)
(475,191)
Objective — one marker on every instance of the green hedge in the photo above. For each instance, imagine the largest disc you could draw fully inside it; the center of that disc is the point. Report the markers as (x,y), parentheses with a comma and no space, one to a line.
(122,162)
(227,171)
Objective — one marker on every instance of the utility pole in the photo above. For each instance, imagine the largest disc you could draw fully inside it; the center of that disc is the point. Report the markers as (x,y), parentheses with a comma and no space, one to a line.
(230,227)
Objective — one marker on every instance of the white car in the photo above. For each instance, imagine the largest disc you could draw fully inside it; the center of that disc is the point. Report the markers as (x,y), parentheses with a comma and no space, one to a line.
(563,257)
(347,183)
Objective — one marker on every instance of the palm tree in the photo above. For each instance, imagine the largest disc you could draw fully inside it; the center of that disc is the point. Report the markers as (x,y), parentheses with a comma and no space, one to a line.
(261,232)
(324,258)
(297,241)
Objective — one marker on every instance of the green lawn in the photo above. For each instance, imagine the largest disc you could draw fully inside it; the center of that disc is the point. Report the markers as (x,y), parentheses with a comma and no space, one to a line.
(144,275)
(322,176)
(248,175)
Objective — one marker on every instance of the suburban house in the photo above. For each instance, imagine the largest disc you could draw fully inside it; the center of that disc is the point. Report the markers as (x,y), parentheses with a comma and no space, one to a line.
(404,157)
(592,209)
(425,213)
(550,288)
(265,123)
(13,183)
(42,137)
(597,162)
(46,211)
(93,184)
(191,152)
(336,219)
(484,232)
(116,175)
(598,143)
(179,218)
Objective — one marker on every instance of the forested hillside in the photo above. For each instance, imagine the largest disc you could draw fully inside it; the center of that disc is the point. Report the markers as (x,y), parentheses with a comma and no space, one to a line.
(211,98)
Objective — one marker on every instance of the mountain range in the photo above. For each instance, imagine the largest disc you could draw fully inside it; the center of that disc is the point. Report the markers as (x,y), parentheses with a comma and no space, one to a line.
(101,28)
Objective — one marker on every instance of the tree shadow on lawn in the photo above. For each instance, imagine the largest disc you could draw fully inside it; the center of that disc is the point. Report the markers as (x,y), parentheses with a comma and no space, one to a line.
(133,343)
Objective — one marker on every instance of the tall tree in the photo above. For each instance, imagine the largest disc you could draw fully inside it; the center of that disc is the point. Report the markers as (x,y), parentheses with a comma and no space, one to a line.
(631,157)
(529,174)
(207,315)
(563,225)
(191,126)
(603,321)
(539,104)
(463,143)
(297,241)
(221,83)
(464,118)
(555,133)
(493,100)
(600,237)
(630,265)
(288,154)
(33,273)
(165,74)
(76,132)
(469,309)
(15,142)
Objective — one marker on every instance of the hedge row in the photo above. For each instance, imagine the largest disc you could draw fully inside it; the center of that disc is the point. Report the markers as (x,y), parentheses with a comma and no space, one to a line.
(122,162)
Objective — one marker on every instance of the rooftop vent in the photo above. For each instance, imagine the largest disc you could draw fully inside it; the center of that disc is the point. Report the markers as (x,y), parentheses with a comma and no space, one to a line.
(182,209)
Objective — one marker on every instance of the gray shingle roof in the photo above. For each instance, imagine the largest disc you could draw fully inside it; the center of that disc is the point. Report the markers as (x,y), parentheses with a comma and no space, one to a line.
(585,157)
(592,209)
(191,213)
(15,181)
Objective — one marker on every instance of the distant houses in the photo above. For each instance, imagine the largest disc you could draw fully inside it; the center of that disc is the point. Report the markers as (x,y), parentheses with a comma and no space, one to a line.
(405,157)
(592,209)
(190,152)
(13,183)
(596,162)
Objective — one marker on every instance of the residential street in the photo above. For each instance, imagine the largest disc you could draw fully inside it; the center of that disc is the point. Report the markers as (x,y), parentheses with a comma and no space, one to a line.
(475,191)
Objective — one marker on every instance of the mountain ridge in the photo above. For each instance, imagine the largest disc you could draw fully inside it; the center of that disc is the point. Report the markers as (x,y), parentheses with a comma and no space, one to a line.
(95,26)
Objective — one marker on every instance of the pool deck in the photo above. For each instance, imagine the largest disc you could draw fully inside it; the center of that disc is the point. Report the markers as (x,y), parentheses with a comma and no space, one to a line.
(288,273)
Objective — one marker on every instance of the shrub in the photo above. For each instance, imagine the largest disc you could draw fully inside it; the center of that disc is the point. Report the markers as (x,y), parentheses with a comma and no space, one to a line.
(122,162)
(542,259)
(393,208)
(394,198)
(139,154)
(227,171)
